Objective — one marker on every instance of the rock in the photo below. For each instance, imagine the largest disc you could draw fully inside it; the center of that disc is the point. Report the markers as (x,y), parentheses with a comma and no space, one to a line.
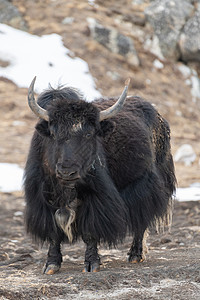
(114,41)
(68,21)
(192,80)
(185,71)
(157,64)
(189,42)
(167,17)
(153,46)
(185,154)
(3,255)
(195,89)
(10,15)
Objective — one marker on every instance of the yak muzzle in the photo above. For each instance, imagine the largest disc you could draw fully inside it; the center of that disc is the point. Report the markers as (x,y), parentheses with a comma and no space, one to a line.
(67,174)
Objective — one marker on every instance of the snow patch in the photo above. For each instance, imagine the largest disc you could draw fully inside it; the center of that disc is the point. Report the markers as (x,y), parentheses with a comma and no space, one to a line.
(191,193)
(11,177)
(47,58)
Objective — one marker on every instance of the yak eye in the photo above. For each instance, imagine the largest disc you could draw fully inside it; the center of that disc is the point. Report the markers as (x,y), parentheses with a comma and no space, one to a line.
(88,135)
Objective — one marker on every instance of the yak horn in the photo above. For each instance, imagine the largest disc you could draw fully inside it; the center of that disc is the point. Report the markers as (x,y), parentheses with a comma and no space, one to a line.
(113,110)
(38,111)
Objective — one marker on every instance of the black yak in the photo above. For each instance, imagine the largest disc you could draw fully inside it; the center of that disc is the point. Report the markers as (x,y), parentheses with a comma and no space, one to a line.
(97,171)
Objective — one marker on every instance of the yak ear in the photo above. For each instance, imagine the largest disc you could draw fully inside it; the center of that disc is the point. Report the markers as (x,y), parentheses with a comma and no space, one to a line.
(43,128)
(107,127)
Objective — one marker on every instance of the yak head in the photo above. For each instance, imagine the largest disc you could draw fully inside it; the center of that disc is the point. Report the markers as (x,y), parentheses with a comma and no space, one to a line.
(71,129)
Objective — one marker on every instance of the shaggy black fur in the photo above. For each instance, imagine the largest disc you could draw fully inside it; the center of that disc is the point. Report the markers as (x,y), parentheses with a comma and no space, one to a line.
(126,172)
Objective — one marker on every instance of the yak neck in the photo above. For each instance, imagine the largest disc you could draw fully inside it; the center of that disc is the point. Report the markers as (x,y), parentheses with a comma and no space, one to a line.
(97,178)
(58,194)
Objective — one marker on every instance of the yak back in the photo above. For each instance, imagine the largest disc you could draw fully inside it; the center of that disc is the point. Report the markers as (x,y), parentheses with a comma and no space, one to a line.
(140,141)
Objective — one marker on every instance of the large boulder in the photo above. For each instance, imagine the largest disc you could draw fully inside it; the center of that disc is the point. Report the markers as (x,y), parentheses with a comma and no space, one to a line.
(190,39)
(167,17)
(114,41)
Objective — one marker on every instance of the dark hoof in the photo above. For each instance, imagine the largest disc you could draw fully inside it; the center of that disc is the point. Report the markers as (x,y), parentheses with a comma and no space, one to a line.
(91,267)
(50,269)
(135,259)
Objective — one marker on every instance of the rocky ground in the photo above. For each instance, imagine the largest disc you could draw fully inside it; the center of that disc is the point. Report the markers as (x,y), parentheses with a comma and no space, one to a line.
(171,270)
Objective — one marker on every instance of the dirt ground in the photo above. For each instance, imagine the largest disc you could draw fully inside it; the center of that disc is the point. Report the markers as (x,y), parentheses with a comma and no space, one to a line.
(172,267)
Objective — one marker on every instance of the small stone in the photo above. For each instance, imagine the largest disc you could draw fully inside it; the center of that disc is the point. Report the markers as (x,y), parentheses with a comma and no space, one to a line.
(4,256)
(185,154)
(18,213)
(157,64)
(138,281)
(67,20)
(185,71)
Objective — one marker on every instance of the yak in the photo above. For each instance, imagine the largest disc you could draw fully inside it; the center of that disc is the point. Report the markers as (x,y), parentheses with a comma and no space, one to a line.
(96,170)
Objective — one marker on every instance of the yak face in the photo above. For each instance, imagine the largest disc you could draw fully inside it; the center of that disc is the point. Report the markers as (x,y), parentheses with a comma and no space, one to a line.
(72,138)
(71,128)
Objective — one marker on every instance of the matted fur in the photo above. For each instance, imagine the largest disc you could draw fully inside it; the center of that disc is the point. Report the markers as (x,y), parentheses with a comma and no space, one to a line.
(128,181)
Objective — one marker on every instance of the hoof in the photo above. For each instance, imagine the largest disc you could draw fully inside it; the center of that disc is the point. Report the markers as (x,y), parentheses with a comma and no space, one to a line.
(91,267)
(50,269)
(135,259)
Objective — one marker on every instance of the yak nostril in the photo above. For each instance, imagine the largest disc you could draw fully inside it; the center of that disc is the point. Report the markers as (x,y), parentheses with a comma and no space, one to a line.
(65,172)
(72,173)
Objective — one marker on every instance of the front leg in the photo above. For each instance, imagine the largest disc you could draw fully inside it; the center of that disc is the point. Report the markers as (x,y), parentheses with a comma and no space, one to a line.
(54,258)
(92,259)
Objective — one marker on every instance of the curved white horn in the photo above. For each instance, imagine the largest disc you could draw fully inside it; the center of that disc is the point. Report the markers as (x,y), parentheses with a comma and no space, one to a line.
(114,109)
(38,111)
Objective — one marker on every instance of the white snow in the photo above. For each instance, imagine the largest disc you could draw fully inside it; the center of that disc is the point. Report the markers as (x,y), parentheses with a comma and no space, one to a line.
(188,194)
(11,176)
(45,57)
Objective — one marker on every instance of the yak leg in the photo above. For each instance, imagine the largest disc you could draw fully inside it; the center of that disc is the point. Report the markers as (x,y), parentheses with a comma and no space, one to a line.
(54,258)
(92,259)
(135,254)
